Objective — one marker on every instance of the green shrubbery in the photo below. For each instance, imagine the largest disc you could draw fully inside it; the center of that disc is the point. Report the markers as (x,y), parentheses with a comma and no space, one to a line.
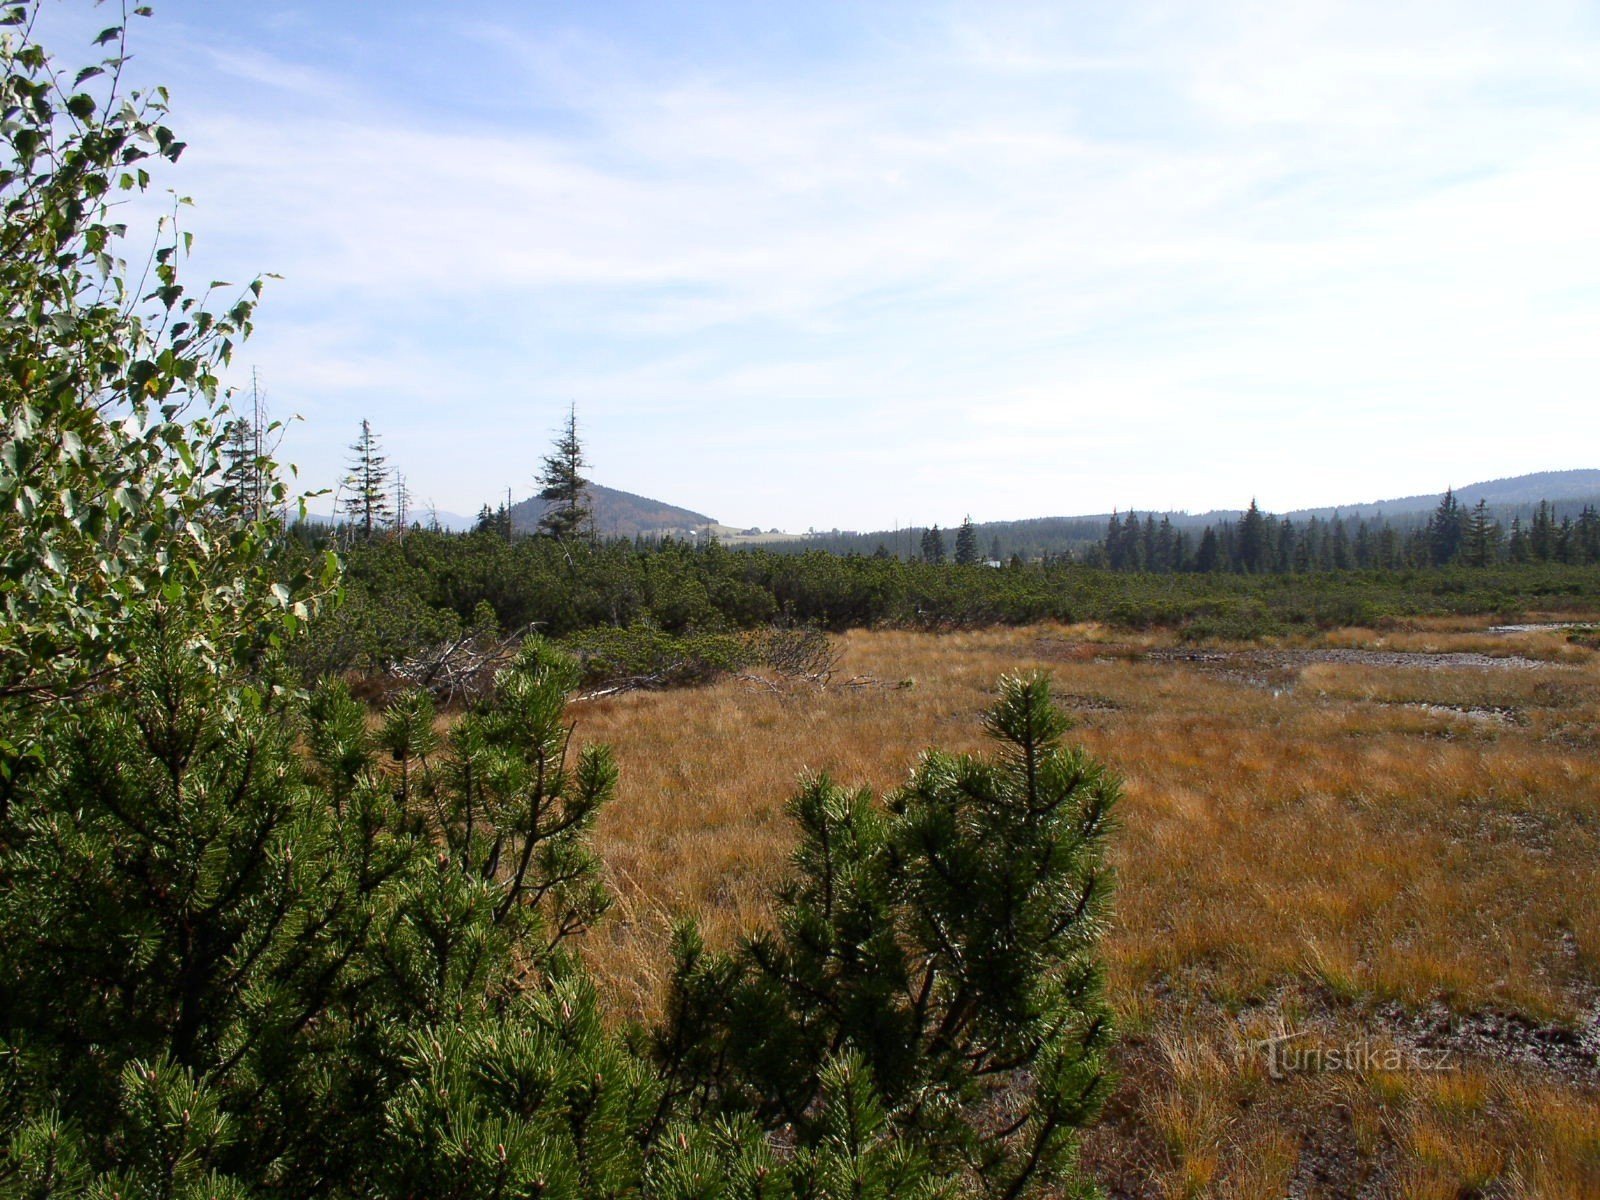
(399,591)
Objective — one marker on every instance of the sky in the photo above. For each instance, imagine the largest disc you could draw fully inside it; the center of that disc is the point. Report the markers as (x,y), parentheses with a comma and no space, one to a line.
(860,265)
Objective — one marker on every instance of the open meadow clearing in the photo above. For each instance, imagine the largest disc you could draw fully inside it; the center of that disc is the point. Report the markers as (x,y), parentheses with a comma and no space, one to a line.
(1379,848)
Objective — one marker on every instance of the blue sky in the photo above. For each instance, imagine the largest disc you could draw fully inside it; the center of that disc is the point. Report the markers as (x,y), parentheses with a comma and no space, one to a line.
(863,264)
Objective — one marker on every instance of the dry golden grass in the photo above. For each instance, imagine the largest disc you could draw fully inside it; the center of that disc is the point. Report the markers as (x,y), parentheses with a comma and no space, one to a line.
(1366,842)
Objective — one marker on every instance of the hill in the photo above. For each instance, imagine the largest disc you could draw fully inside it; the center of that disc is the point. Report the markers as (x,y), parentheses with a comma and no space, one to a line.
(620,514)
(1555,486)
(1515,496)
(452,522)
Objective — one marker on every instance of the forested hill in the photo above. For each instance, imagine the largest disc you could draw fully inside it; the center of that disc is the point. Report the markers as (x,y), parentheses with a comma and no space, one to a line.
(1516,497)
(618,514)
(1559,487)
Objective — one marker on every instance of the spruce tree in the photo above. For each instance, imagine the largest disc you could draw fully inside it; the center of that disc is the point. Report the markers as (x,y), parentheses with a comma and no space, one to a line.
(248,468)
(1419,546)
(1365,545)
(1168,557)
(241,454)
(1446,530)
(1566,542)
(1284,553)
(1228,545)
(1312,546)
(1542,535)
(1588,534)
(1389,548)
(367,503)
(932,545)
(562,485)
(1482,538)
(1517,548)
(1254,541)
(967,544)
(1115,555)
(1133,558)
(1339,556)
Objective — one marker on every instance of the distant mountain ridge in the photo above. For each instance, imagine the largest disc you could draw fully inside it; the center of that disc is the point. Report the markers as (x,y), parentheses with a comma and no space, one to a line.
(619,514)
(1036,536)
(1555,486)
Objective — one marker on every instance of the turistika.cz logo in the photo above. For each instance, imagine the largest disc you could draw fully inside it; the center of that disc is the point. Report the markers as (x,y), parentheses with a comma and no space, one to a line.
(1288,1054)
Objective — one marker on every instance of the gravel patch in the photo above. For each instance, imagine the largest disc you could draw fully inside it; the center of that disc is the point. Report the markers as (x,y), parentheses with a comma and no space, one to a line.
(1480,714)
(1296,659)
(1279,670)
(1540,627)
(1505,1037)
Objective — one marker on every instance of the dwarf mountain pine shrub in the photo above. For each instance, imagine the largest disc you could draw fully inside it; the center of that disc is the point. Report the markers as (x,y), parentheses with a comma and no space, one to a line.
(941,946)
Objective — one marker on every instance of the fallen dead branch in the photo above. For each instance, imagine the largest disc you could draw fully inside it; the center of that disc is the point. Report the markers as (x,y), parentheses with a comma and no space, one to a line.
(461,670)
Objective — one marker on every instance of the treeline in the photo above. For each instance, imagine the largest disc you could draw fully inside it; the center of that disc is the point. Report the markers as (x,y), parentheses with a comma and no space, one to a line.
(1260,543)
(1084,537)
